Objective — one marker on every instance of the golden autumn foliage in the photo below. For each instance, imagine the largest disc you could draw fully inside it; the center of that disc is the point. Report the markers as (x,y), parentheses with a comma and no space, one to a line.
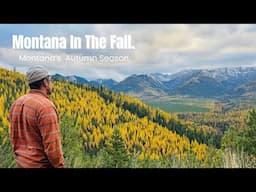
(95,118)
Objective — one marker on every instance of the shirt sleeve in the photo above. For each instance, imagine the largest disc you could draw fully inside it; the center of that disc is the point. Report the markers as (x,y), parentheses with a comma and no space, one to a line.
(49,129)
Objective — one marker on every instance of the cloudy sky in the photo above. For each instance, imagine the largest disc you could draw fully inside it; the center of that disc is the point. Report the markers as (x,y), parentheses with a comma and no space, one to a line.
(162,48)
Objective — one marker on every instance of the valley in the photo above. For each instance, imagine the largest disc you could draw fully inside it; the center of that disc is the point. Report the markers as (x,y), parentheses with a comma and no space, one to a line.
(180,104)
(177,104)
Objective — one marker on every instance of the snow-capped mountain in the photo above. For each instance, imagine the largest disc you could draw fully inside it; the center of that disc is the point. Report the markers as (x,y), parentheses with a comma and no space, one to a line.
(195,82)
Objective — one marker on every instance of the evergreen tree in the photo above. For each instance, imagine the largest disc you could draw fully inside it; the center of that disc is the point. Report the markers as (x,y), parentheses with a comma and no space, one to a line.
(116,154)
(71,143)
(248,141)
(231,139)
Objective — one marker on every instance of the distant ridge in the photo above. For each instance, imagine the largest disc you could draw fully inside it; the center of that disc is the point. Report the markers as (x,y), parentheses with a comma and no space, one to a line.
(195,82)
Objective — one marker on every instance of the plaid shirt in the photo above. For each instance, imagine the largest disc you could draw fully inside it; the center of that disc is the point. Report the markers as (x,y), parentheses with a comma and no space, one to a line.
(35,135)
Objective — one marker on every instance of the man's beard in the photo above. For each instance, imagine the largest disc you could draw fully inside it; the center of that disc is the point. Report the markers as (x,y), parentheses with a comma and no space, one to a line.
(49,91)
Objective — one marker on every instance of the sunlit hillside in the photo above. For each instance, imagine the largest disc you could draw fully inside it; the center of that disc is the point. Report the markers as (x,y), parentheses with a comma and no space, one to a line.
(90,115)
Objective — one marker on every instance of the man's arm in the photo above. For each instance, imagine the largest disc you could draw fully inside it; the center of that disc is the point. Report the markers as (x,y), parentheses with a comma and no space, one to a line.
(49,128)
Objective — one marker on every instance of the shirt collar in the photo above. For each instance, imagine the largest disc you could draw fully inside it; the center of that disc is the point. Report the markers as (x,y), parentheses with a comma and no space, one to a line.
(37,91)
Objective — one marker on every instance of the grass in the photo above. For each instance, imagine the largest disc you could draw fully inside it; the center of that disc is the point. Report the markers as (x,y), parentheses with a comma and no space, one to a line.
(6,156)
(182,104)
(178,107)
(238,159)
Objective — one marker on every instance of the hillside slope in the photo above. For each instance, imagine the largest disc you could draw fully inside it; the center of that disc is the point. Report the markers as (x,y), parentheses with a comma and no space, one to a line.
(94,112)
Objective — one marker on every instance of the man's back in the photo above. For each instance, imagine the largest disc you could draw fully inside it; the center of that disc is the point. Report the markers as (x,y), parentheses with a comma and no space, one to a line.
(34,131)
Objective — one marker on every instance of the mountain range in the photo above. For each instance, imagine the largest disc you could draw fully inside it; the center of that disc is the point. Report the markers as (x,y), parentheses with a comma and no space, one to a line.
(195,82)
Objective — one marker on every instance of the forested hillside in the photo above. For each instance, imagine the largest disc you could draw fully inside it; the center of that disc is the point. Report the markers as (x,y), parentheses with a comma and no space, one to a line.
(97,124)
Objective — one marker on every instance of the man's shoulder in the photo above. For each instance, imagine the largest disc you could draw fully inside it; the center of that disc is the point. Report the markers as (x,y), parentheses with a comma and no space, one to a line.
(20,99)
(41,100)
(34,100)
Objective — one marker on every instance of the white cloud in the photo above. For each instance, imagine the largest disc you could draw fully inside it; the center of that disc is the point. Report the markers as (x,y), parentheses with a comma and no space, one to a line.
(159,48)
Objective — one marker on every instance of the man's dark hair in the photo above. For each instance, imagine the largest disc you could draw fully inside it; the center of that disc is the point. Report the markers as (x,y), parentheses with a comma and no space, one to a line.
(36,84)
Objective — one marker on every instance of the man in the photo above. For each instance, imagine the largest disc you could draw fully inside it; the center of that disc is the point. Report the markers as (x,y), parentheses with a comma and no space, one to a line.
(35,135)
